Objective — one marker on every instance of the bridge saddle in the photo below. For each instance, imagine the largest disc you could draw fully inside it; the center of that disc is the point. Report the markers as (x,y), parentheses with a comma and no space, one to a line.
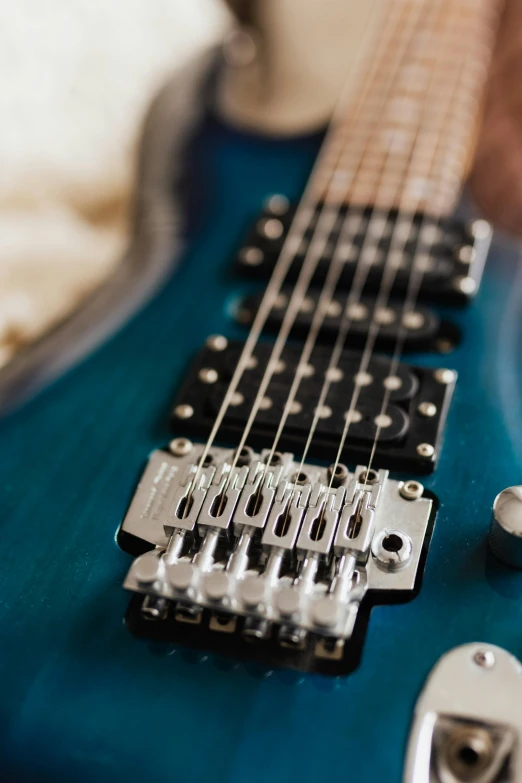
(277,554)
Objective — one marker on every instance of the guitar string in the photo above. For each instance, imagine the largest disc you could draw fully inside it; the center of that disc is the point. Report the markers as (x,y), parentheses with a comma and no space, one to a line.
(333,365)
(289,319)
(416,278)
(296,234)
(361,274)
(385,290)
(295,238)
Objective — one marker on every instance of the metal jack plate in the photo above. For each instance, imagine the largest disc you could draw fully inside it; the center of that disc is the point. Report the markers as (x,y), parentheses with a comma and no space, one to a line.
(467,726)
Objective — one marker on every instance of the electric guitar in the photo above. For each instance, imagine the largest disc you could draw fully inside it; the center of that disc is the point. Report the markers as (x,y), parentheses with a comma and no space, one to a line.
(246,537)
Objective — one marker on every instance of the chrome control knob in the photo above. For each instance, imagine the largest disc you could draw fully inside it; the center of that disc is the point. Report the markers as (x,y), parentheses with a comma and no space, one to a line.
(505,534)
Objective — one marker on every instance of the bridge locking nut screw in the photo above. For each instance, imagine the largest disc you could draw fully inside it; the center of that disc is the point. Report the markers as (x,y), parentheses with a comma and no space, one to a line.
(180,447)
(411,490)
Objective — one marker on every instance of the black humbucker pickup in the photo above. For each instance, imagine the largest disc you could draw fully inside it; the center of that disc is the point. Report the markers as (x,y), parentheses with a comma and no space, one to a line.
(422,329)
(450,252)
(411,431)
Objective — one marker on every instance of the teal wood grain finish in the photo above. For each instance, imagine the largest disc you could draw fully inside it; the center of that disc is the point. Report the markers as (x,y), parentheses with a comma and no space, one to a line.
(81,699)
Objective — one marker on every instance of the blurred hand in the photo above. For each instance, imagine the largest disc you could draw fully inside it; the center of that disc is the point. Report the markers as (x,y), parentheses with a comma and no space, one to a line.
(496,178)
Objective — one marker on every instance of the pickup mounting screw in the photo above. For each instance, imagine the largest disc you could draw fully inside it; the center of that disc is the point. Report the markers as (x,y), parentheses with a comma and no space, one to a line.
(251,256)
(184,411)
(427,409)
(466,254)
(208,375)
(271,228)
(216,342)
(180,446)
(465,285)
(445,376)
(425,450)
(484,658)
(411,490)
(277,204)
(479,229)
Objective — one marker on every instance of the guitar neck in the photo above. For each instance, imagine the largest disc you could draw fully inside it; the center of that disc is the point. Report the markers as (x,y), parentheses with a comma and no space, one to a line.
(407,134)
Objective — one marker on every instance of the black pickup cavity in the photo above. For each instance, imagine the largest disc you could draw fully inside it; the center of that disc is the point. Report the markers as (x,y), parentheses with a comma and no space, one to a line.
(410,431)
(423,329)
(450,252)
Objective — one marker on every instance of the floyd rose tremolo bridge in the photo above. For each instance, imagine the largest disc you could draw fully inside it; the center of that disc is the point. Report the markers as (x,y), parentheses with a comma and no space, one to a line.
(270,562)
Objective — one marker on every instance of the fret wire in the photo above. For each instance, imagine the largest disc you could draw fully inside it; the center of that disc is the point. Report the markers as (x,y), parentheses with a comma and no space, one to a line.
(464,108)
(326,294)
(411,297)
(311,259)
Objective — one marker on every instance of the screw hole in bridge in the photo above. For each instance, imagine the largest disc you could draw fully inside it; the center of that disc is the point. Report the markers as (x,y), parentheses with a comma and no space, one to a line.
(392,543)
(277,458)
(209,459)
(299,478)
(368,477)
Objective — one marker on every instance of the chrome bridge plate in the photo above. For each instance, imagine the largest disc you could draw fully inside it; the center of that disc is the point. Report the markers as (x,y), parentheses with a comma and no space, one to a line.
(273,563)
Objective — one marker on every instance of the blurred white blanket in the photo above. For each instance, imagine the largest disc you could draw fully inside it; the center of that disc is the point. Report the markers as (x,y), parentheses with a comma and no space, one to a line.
(77,77)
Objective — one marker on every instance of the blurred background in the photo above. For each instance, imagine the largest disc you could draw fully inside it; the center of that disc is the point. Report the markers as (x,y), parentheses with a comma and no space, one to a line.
(78,77)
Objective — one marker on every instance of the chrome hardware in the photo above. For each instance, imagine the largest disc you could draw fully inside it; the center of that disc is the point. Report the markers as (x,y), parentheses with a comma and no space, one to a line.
(467,726)
(425,450)
(505,533)
(411,490)
(217,342)
(281,548)
(180,446)
(184,411)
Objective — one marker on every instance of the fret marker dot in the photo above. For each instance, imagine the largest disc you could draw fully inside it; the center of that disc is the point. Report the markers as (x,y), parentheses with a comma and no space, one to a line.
(363,379)
(237,399)
(383,421)
(265,403)
(295,407)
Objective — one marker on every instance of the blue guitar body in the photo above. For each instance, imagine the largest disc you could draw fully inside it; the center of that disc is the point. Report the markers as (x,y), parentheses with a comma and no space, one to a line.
(82,699)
